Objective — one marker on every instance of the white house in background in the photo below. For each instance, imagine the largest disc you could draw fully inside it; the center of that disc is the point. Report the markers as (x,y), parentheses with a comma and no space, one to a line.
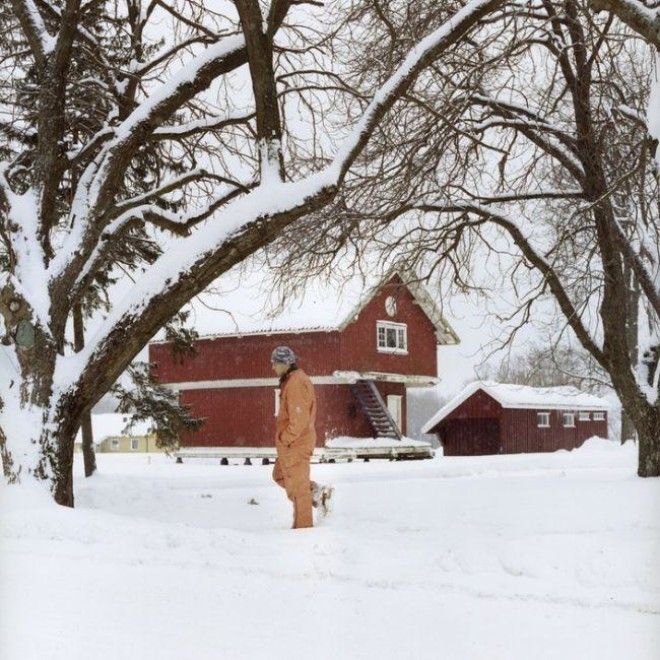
(107,429)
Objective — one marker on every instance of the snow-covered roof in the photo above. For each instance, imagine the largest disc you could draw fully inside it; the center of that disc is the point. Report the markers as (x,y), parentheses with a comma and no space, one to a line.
(244,303)
(106,425)
(523,396)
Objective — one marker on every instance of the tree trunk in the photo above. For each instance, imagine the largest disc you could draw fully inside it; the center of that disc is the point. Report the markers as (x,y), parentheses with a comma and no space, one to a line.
(68,417)
(628,431)
(89,458)
(649,444)
(37,426)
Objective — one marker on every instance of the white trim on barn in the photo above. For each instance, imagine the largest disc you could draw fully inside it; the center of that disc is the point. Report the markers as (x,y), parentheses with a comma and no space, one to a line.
(338,378)
(524,397)
(406,379)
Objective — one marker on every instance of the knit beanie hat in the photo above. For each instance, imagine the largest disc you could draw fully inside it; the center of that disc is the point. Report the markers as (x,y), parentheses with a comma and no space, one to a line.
(283,355)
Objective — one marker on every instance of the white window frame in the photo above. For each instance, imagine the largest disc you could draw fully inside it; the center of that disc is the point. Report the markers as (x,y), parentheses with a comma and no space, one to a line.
(278,395)
(599,416)
(401,330)
(546,425)
(570,415)
(114,444)
(135,444)
(584,416)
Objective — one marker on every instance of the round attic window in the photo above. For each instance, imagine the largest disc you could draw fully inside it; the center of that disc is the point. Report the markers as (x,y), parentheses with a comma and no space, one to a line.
(390,305)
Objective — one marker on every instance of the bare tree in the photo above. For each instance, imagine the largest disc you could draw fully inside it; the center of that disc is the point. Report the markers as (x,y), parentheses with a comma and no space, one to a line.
(115,138)
(643,17)
(531,156)
(547,365)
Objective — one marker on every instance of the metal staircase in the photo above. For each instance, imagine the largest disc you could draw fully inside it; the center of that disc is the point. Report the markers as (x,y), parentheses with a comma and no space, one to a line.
(371,402)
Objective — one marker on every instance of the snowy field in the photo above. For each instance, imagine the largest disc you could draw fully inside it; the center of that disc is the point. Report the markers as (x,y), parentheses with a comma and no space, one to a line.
(512,557)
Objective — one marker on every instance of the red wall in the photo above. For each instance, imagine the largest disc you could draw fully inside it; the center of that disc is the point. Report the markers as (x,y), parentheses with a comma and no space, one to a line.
(475,436)
(320,353)
(518,428)
(359,349)
(245,357)
(520,431)
(245,416)
(478,405)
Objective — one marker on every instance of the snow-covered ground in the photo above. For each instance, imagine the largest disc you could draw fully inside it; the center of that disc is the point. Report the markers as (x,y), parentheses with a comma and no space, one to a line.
(512,557)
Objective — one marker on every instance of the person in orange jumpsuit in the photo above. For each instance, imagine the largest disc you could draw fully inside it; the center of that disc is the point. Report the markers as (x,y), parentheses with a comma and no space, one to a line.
(295,439)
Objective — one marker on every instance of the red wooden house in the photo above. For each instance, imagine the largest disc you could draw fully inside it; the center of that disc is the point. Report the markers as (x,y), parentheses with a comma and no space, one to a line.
(360,349)
(494,418)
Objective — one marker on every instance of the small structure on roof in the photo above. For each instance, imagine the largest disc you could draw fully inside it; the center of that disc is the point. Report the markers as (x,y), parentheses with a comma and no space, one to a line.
(496,418)
(361,346)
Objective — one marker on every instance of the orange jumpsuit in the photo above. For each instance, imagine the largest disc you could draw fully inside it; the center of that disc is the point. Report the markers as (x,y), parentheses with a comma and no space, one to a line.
(295,439)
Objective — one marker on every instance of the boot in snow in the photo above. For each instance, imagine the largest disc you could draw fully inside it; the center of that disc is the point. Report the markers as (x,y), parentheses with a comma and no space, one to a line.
(325,499)
(321,496)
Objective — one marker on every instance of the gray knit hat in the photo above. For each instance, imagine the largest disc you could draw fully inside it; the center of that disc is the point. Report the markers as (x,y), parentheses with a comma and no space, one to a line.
(283,355)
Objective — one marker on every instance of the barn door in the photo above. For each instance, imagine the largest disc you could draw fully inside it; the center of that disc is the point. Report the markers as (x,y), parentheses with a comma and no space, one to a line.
(394,406)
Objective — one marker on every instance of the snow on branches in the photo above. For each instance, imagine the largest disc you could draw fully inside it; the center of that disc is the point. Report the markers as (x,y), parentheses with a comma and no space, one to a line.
(134,154)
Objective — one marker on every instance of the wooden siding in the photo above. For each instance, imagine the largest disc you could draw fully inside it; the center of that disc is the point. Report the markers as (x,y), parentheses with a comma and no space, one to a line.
(358,345)
(245,357)
(476,406)
(470,429)
(471,437)
(245,416)
(521,433)
(320,353)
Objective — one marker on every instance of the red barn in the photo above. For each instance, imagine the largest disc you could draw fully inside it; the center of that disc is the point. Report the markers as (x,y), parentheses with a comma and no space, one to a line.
(360,349)
(493,418)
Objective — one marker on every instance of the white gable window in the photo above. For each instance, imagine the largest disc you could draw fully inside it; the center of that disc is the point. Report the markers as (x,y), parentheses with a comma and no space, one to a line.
(599,417)
(584,416)
(543,420)
(391,337)
(569,419)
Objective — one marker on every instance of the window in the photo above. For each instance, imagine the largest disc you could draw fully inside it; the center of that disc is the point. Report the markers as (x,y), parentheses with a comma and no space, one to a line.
(543,420)
(599,417)
(114,444)
(391,337)
(569,419)
(584,417)
(390,306)
(135,443)
(278,394)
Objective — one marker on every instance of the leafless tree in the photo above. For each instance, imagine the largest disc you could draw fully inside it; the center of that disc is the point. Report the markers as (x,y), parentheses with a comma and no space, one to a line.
(530,154)
(640,15)
(128,145)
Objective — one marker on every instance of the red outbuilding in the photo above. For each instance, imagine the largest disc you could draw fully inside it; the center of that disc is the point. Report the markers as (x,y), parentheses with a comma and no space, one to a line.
(494,418)
(362,349)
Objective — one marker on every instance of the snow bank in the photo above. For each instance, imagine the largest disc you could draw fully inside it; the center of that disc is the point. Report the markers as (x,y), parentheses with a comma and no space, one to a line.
(596,444)
(345,442)
(551,552)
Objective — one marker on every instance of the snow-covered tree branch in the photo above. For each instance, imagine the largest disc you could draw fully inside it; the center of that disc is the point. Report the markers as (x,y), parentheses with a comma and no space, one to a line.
(129,148)
(530,154)
(641,17)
